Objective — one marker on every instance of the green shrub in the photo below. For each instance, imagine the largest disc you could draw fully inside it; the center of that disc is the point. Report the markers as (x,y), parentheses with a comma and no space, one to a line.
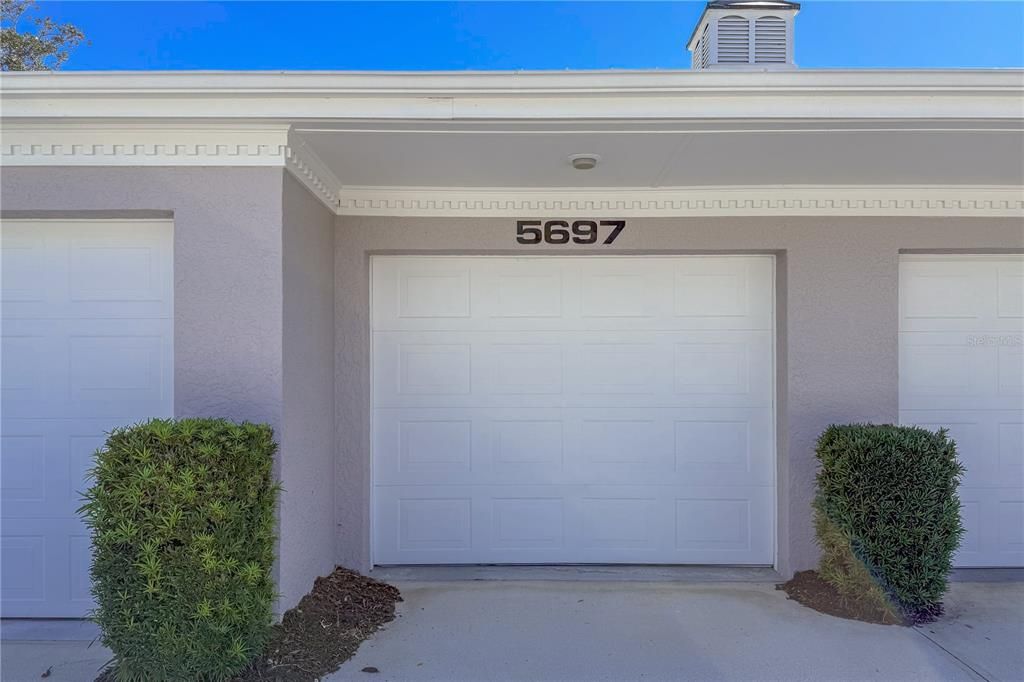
(887,513)
(182,515)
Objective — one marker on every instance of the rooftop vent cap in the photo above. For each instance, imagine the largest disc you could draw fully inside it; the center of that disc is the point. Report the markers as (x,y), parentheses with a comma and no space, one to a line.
(744,35)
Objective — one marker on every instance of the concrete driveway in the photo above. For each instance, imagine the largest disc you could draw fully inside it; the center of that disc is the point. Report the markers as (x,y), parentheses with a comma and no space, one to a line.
(555,630)
(564,630)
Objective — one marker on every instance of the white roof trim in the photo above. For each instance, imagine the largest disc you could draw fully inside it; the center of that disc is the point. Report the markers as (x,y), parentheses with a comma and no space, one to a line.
(635,95)
(495,82)
(248,119)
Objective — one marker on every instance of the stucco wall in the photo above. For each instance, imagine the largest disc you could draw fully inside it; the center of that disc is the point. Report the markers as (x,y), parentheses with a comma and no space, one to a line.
(837,311)
(227,270)
(245,239)
(308,538)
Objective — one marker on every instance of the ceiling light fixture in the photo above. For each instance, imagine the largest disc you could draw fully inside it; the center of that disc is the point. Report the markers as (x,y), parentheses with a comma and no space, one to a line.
(584,161)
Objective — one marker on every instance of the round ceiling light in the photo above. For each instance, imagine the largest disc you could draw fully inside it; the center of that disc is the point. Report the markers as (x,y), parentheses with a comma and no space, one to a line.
(584,161)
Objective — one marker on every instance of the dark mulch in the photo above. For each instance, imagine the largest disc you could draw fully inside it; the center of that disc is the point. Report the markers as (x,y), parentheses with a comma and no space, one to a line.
(809,589)
(322,632)
(325,629)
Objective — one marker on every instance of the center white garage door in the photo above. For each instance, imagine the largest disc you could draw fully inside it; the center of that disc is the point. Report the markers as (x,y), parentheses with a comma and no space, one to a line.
(573,410)
(87,320)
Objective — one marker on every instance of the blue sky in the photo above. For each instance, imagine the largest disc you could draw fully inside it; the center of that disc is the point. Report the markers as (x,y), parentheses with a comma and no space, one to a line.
(519,35)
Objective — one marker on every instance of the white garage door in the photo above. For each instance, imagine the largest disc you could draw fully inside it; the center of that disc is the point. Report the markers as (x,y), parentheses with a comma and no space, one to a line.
(86,346)
(961,328)
(573,410)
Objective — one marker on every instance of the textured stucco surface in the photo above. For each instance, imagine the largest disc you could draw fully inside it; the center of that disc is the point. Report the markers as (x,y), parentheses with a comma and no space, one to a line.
(239,235)
(837,312)
(268,285)
(307,529)
(227,270)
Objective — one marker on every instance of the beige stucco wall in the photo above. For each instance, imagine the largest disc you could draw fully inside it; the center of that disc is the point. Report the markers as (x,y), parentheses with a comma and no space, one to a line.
(227,269)
(308,538)
(836,309)
(253,325)
(255,283)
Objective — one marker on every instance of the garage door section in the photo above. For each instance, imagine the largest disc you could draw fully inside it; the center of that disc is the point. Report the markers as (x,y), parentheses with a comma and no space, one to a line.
(86,346)
(961,328)
(573,410)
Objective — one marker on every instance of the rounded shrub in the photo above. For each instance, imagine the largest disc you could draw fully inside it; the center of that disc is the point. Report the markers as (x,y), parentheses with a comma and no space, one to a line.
(887,514)
(182,514)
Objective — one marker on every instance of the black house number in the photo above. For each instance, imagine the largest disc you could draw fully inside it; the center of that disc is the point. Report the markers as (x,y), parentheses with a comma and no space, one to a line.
(564,232)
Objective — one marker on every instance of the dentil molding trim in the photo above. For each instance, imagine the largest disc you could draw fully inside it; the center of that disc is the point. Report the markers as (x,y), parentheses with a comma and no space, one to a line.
(275,146)
(690,201)
(142,145)
(147,146)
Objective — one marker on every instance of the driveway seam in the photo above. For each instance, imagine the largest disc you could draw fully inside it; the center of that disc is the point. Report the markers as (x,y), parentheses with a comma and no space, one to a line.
(950,653)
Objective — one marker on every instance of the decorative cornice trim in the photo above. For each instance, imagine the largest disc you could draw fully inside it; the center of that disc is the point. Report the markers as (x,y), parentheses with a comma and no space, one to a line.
(306,166)
(169,145)
(691,201)
(146,145)
(272,145)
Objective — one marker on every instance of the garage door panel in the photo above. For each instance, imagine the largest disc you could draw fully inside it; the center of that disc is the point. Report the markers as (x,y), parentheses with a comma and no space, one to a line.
(1010,369)
(1010,293)
(45,568)
(27,251)
(552,410)
(108,372)
(86,368)
(949,371)
(961,368)
(45,464)
(582,445)
(977,434)
(521,368)
(1010,447)
(613,290)
(990,444)
(86,347)
(459,293)
(993,520)
(118,269)
(583,524)
(31,367)
(566,368)
(950,293)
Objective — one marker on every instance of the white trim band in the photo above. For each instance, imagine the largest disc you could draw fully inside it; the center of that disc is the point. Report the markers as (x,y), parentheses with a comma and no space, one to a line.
(689,201)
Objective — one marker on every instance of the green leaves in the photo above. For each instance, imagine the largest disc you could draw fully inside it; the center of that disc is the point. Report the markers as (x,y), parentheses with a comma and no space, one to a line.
(33,43)
(182,517)
(887,513)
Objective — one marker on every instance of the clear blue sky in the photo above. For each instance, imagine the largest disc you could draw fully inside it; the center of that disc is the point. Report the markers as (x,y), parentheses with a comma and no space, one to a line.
(519,35)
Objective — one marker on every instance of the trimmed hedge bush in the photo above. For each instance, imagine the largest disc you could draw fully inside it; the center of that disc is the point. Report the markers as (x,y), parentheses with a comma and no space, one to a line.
(182,514)
(887,514)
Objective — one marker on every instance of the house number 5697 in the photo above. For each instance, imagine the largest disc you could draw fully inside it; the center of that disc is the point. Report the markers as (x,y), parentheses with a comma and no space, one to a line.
(564,232)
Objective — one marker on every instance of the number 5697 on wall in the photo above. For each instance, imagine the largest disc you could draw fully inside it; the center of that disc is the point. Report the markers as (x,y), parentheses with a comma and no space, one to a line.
(562,232)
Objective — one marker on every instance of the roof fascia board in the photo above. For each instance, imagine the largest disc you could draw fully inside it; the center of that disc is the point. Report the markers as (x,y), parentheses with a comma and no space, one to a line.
(495,82)
(823,105)
(488,96)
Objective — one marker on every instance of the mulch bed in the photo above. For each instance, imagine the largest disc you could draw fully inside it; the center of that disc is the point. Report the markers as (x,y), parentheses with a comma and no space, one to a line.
(322,632)
(325,629)
(808,588)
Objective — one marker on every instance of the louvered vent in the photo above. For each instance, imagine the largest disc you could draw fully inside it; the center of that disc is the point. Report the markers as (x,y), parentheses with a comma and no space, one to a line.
(744,35)
(705,49)
(734,40)
(770,40)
